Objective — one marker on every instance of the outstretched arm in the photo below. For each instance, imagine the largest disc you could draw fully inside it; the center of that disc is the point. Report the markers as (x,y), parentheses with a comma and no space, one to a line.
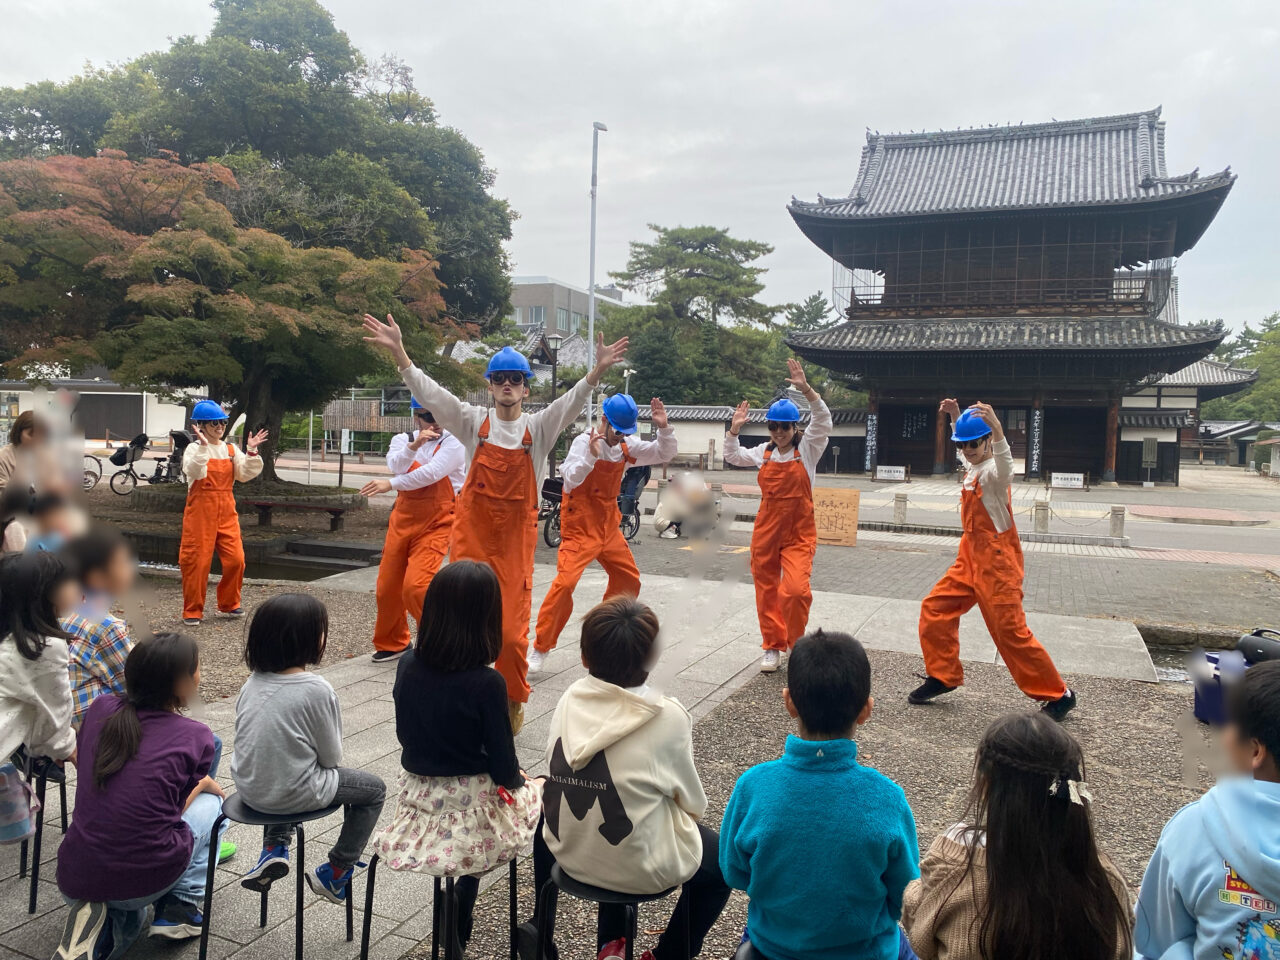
(734,452)
(450,412)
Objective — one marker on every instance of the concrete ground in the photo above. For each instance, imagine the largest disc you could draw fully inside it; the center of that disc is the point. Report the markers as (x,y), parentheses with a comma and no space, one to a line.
(711,647)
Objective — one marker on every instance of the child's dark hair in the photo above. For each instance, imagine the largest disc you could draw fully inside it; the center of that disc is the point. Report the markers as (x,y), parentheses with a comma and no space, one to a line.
(618,637)
(289,630)
(460,626)
(93,551)
(44,503)
(829,679)
(1253,706)
(151,672)
(28,617)
(1027,771)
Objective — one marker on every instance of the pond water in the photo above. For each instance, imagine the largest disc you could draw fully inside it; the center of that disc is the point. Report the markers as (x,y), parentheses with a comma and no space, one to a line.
(269,570)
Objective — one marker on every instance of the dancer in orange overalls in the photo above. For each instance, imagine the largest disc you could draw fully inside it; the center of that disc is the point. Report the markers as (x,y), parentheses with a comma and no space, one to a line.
(429,468)
(497,511)
(210,521)
(589,516)
(784,538)
(988,572)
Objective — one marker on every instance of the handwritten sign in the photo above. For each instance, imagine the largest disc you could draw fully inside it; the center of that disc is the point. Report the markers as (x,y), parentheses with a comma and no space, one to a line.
(885,472)
(836,513)
(869,454)
(1037,441)
(1073,480)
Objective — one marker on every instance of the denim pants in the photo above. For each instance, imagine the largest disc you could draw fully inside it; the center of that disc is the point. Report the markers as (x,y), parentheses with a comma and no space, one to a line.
(126,918)
(362,795)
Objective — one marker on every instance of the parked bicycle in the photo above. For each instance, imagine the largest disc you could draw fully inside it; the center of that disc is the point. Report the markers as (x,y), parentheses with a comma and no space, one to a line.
(549,512)
(92,471)
(167,470)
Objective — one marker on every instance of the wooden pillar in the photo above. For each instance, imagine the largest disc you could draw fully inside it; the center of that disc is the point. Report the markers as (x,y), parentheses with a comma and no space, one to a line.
(940,442)
(873,432)
(1035,439)
(1113,431)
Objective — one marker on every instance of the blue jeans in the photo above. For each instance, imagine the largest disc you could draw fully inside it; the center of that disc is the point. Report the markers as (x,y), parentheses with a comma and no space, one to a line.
(126,918)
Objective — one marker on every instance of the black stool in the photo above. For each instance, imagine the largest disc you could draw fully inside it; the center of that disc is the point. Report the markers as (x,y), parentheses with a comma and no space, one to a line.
(599,896)
(450,914)
(747,951)
(40,780)
(233,808)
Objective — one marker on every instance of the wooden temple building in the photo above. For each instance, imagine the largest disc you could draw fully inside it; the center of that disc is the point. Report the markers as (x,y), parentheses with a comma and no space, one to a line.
(1030,267)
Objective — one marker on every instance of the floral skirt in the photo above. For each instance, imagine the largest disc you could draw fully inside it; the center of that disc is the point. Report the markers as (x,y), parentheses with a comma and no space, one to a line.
(457,826)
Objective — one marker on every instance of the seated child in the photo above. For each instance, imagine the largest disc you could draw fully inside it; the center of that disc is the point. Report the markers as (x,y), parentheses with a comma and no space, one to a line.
(289,745)
(823,845)
(1212,888)
(1021,875)
(55,520)
(35,686)
(622,797)
(146,801)
(464,806)
(99,642)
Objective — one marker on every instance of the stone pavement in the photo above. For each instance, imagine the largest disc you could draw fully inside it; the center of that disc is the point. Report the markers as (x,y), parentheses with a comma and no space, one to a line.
(711,649)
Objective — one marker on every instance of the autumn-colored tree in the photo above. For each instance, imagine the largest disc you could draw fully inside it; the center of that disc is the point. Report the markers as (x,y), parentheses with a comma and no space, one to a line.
(179,296)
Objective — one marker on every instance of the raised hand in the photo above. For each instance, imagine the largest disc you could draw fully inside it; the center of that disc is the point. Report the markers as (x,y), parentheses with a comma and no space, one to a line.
(376,486)
(739,418)
(796,376)
(658,413)
(199,432)
(424,436)
(606,357)
(387,336)
(988,415)
(595,438)
(950,408)
(253,441)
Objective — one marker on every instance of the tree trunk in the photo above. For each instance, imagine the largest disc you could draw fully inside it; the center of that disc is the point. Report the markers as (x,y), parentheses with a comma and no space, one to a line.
(261,411)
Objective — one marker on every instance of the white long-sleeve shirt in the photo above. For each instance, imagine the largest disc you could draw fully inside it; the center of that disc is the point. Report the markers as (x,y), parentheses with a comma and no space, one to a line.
(195,461)
(581,461)
(463,420)
(812,444)
(35,701)
(443,457)
(995,474)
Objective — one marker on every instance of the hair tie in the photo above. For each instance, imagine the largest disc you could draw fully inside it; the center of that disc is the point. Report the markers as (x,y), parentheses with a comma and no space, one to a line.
(1077,791)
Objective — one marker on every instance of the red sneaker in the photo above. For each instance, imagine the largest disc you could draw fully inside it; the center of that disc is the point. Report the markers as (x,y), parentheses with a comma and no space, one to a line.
(613,950)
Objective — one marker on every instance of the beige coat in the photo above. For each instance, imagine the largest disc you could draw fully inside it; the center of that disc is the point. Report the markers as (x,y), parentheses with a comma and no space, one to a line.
(942,911)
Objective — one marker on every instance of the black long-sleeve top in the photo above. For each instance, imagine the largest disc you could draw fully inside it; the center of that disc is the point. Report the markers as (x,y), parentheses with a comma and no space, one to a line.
(454,724)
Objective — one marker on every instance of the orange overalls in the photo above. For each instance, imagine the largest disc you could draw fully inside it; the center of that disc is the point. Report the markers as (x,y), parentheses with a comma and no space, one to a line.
(590,524)
(417,541)
(783,543)
(988,571)
(210,522)
(498,525)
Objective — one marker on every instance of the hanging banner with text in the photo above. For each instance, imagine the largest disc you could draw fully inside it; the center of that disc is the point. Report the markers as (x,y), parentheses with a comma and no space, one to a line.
(836,513)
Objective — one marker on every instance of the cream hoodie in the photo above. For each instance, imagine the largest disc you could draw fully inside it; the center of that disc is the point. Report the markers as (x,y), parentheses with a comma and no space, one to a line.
(622,797)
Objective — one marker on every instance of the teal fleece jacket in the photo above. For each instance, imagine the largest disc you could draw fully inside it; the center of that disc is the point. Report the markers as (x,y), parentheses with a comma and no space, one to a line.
(824,847)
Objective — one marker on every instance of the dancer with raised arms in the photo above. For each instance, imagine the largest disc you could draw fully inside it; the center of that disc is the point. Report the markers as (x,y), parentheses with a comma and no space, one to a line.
(498,506)
(589,516)
(987,572)
(785,537)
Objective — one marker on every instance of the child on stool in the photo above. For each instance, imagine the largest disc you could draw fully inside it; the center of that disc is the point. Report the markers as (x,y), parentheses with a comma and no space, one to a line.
(1213,884)
(289,745)
(464,807)
(823,845)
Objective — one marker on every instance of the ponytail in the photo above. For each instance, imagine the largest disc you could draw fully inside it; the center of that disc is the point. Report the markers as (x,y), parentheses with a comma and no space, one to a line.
(151,675)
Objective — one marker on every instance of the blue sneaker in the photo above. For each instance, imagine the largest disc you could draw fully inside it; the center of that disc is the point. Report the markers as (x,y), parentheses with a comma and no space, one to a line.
(272,865)
(325,883)
(175,920)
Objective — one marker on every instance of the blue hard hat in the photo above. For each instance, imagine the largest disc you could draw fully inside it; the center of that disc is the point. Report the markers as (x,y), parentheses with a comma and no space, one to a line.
(508,359)
(621,412)
(414,404)
(207,410)
(969,426)
(783,411)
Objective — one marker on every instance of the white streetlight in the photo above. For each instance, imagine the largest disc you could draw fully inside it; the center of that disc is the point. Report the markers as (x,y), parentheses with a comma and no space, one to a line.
(596,129)
(626,376)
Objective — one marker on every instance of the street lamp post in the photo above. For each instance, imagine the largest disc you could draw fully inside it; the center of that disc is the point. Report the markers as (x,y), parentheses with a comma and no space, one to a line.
(596,129)
(626,377)
(553,341)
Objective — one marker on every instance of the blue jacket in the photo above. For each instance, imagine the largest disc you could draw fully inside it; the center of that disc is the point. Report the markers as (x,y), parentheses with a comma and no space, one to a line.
(824,847)
(1212,887)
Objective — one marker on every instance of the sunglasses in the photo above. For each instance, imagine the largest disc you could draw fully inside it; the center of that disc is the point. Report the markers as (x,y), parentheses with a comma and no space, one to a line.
(970,444)
(777,425)
(425,416)
(501,378)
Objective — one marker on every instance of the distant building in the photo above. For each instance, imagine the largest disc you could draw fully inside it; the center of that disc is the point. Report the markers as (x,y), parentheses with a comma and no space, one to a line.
(543,303)
(104,410)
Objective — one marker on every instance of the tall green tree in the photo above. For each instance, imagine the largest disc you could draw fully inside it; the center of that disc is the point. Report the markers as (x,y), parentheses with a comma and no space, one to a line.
(1252,348)
(813,314)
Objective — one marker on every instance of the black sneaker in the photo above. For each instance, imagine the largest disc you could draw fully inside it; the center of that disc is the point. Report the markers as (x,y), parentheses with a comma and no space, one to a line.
(527,943)
(175,920)
(191,621)
(931,689)
(85,922)
(386,656)
(235,614)
(1058,709)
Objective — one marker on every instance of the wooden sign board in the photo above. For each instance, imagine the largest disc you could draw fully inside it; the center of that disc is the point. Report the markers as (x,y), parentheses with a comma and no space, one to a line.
(836,513)
(1071,480)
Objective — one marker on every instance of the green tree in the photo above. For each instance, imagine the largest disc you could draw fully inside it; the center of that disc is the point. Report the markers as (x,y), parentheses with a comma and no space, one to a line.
(700,273)
(813,314)
(1258,349)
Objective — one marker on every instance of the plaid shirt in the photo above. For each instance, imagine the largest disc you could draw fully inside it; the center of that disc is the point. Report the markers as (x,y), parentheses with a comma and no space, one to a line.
(99,644)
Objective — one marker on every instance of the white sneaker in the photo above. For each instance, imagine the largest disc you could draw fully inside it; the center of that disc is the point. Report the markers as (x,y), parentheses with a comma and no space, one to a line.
(770,661)
(536,659)
(669,534)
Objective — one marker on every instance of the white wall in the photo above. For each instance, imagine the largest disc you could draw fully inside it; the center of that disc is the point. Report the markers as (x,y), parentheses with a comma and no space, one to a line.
(692,438)
(160,416)
(1162,434)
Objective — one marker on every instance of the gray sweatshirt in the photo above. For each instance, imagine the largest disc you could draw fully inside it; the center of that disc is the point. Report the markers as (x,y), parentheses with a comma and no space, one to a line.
(288,742)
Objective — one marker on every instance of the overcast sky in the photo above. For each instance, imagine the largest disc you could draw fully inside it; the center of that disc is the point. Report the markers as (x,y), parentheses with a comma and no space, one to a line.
(720,110)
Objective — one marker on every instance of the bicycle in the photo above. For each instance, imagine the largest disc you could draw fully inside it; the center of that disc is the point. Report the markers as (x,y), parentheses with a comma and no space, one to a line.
(92,471)
(549,513)
(125,481)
